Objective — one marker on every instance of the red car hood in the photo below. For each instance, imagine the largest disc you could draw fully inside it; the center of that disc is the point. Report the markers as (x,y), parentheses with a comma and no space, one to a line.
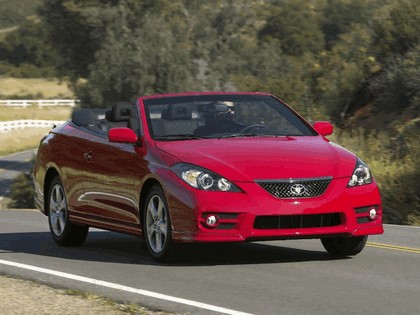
(248,159)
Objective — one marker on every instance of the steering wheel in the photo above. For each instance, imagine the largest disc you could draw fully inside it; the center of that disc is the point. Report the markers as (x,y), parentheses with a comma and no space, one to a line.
(254,126)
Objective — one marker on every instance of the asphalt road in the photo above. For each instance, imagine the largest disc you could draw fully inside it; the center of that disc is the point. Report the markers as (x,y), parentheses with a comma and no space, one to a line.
(278,277)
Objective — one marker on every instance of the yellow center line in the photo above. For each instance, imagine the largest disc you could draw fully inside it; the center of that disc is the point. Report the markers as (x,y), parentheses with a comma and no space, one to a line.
(394,247)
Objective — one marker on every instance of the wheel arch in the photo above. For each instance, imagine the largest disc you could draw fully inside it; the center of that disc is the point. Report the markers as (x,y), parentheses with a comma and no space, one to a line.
(49,175)
(148,184)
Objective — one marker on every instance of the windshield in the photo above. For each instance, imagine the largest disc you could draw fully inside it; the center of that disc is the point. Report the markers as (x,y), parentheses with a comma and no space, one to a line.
(222,116)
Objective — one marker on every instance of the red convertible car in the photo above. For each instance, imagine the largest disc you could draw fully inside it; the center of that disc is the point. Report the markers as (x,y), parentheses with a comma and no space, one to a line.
(204,167)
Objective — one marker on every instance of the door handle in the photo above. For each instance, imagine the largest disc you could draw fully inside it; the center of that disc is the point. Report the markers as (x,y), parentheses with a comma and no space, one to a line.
(88,156)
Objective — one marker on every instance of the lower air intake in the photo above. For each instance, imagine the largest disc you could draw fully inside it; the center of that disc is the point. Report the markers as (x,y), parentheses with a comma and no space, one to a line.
(297,221)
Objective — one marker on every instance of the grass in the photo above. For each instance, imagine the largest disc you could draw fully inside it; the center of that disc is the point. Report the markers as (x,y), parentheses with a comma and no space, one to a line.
(28,138)
(4,202)
(21,139)
(67,301)
(19,88)
(394,164)
(34,112)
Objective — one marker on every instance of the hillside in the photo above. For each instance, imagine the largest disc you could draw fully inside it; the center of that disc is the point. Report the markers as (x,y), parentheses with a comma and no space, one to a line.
(14,12)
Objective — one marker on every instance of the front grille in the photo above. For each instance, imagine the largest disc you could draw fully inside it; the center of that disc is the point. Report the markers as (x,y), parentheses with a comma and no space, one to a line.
(299,188)
(297,221)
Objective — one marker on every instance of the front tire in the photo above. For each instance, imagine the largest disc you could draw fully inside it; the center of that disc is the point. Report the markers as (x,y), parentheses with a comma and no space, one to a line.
(64,232)
(344,246)
(157,225)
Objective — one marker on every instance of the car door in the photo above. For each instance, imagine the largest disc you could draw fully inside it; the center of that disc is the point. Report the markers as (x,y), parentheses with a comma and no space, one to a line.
(70,159)
(111,184)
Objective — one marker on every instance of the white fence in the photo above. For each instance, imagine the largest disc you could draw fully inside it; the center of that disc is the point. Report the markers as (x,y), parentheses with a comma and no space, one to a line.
(6,126)
(39,103)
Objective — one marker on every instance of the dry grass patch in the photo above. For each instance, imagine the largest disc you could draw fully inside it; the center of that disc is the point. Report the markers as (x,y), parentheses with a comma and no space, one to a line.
(20,296)
(34,112)
(28,138)
(21,139)
(37,87)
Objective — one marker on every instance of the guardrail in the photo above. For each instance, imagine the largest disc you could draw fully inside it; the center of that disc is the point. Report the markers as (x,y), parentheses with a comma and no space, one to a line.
(6,126)
(39,103)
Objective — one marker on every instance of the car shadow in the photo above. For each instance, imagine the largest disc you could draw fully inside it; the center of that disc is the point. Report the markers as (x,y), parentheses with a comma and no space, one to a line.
(118,248)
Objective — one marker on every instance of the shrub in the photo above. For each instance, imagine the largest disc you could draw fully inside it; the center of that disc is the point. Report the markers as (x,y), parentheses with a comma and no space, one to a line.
(22,192)
(393,162)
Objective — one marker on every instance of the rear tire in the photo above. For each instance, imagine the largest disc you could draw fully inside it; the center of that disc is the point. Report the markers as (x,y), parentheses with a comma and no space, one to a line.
(64,232)
(157,227)
(344,246)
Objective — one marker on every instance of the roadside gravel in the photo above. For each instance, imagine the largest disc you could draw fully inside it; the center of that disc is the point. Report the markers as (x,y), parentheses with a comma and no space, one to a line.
(19,296)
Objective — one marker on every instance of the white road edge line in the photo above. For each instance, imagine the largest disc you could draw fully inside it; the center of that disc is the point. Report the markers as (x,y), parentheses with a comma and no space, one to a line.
(124,288)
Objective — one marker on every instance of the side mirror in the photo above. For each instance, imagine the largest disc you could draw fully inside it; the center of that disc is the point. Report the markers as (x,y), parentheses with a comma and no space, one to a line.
(122,135)
(324,128)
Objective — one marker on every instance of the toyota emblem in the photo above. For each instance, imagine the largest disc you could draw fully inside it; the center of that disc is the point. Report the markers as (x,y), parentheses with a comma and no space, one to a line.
(298,190)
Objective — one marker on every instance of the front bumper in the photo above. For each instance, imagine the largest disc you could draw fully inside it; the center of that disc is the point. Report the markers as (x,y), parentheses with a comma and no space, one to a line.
(254,214)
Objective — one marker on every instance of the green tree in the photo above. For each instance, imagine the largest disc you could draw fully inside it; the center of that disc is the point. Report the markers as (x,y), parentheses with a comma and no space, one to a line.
(344,71)
(397,28)
(296,24)
(122,48)
(79,27)
(341,15)
(13,13)
(397,87)
(29,45)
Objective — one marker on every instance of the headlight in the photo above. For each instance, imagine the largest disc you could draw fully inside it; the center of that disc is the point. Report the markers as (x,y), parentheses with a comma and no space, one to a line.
(361,175)
(202,178)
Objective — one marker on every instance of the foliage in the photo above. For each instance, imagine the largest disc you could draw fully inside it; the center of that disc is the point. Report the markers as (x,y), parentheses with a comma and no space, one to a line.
(397,28)
(22,192)
(27,71)
(34,88)
(296,25)
(122,48)
(396,172)
(28,51)
(123,67)
(398,86)
(13,13)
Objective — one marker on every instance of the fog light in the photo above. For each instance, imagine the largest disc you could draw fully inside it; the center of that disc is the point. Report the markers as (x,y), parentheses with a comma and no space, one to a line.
(212,221)
(372,214)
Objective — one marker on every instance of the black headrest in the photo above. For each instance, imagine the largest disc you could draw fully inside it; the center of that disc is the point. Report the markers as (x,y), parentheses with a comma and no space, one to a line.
(218,107)
(83,117)
(177,112)
(120,111)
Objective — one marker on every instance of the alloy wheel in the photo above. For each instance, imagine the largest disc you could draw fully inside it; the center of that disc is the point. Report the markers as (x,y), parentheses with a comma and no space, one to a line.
(57,210)
(156,224)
